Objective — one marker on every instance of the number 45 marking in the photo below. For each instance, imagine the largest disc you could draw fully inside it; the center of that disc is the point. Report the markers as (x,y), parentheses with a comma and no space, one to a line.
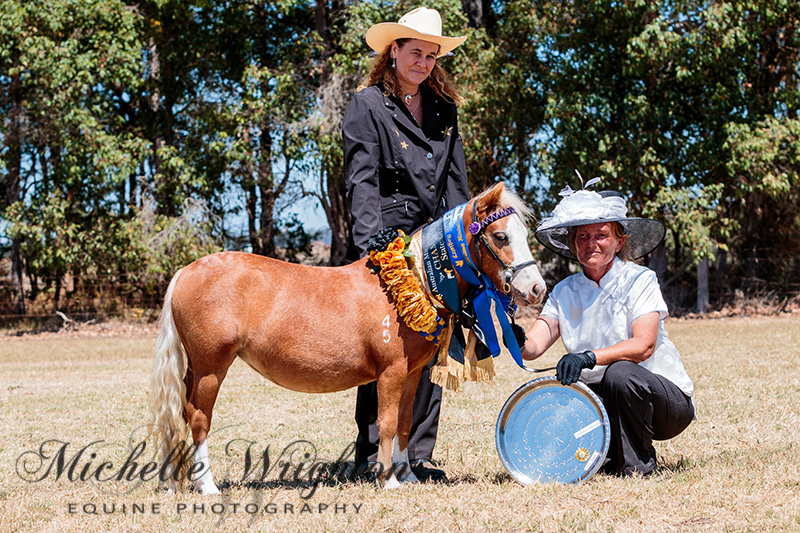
(386,323)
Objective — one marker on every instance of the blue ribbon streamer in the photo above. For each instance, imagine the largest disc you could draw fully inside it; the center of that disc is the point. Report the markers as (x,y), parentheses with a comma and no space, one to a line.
(457,247)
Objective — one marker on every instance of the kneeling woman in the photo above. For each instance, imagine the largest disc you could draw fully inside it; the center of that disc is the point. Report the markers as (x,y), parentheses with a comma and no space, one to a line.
(610,318)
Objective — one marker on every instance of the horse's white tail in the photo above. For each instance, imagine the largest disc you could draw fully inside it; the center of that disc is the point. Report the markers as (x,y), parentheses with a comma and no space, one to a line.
(168,393)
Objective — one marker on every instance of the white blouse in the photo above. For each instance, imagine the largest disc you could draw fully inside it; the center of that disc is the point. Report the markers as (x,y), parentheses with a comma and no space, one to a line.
(592,316)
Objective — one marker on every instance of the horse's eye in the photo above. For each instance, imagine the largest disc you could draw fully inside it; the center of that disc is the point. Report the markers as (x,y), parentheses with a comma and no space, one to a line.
(501,237)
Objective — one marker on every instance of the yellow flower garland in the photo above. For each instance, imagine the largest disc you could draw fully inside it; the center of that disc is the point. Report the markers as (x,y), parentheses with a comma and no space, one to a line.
(412,304)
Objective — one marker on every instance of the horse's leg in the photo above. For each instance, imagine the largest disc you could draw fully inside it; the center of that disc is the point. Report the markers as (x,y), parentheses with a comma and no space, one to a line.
(199,409)
(394,412)
(404,420)
(390,385)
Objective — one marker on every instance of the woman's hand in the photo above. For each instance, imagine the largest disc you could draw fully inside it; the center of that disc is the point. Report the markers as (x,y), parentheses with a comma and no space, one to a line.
(569,367)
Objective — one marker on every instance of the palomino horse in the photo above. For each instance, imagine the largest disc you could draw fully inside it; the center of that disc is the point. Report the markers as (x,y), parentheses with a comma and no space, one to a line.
(310,329)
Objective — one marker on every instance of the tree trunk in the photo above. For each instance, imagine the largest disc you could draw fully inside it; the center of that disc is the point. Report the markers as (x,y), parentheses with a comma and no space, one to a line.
(477,12)
(13,142)
(338,215)
(251,200)
(523,157)
(702,286)
(16,278)
(751,228)
(57,294)
(333,91)
(332,188)
(657,262)
(154,103)
(265,241)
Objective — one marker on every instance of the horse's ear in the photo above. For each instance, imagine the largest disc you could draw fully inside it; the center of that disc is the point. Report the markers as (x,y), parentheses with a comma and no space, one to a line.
(490,199)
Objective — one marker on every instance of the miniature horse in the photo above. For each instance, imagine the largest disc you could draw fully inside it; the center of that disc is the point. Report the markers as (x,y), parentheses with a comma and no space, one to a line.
(309,329)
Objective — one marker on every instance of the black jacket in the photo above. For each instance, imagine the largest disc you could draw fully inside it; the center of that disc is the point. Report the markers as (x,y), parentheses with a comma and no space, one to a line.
(397,174)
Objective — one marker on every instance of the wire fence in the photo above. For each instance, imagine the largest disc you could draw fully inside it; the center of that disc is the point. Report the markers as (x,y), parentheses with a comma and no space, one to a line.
(115,298)
(81,300)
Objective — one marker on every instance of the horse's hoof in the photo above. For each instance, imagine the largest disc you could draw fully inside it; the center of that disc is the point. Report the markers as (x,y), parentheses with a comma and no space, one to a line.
(392,483)
(209,490)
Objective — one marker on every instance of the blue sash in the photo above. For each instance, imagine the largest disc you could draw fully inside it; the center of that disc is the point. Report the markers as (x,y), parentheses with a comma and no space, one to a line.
(438,267)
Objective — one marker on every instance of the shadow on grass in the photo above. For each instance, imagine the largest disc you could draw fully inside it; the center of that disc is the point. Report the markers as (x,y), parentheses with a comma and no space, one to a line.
(678,466)
(345,475)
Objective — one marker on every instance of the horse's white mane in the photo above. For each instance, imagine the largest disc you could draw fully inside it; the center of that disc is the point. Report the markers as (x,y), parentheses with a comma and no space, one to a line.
(509,199)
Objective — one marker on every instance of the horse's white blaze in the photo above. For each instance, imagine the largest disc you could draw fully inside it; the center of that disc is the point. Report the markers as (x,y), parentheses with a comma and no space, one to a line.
(527,281)
(205,481)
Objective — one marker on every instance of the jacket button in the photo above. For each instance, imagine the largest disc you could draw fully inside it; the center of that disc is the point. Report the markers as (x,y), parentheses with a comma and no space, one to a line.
(429,155)
(432,188)
(430,220)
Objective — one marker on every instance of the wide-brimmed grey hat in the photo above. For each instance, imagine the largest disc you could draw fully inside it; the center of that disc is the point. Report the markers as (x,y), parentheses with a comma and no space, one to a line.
(582,207)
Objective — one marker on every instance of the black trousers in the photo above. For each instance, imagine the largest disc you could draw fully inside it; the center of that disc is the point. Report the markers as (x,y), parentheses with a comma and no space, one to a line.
(642,407)
(424,421)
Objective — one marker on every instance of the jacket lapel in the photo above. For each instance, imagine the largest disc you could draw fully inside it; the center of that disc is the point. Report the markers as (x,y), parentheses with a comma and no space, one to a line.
(437,123)
(405,123)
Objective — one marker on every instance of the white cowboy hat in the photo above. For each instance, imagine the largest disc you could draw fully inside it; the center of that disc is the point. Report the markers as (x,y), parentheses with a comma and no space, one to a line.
(422,23)
(583,207)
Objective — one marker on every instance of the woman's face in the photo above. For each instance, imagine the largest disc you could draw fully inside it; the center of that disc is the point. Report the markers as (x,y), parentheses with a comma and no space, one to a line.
(415,61)
(596,245)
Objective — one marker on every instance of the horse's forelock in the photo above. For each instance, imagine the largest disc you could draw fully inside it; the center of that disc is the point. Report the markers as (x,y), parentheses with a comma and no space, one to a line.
(509,199)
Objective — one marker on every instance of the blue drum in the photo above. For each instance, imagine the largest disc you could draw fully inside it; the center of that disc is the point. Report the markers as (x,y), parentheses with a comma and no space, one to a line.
(548,432)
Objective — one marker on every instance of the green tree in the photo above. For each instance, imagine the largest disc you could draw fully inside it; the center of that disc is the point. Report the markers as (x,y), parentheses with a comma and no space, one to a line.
(264,74)
(757,43)
(61,63)
(676,96)
(170,108)
(505,85)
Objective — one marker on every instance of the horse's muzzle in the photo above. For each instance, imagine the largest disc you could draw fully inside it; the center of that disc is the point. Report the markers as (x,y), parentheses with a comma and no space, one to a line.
(528,286)
(532,297)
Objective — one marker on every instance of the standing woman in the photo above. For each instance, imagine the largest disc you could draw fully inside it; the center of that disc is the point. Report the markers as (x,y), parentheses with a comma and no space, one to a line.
(404,167)
(611,320)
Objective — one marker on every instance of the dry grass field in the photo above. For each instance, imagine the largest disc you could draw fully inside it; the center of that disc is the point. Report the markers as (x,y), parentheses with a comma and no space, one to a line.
(737,468)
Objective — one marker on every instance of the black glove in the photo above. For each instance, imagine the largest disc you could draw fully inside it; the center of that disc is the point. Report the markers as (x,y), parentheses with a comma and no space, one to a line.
(519,333)
(569,367)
